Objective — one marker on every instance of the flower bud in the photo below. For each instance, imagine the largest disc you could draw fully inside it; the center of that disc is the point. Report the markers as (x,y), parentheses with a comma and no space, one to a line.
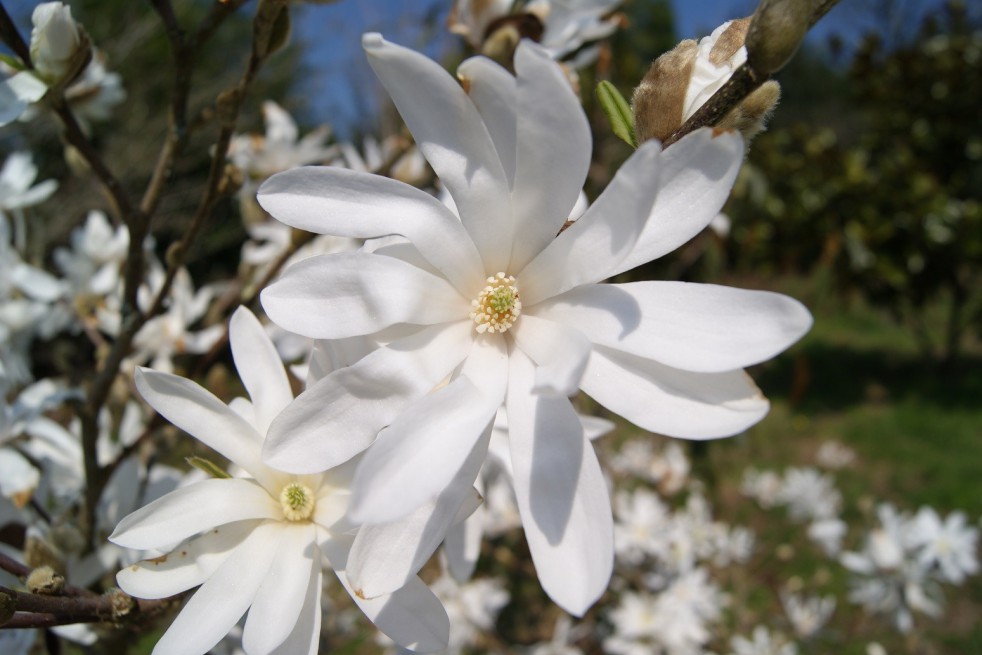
(56,41)
(685,78)
(659,101)
(45,581)
(777,28)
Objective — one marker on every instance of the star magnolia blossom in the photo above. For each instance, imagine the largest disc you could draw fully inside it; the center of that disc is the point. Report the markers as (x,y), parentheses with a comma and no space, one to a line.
(493,308)
(254,543)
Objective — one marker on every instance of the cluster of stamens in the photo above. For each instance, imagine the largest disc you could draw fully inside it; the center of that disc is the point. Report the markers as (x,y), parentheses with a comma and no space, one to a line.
(497,306)
(297,501)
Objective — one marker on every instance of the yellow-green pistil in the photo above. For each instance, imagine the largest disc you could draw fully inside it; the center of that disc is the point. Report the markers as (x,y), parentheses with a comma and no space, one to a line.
(498,305)
(297,501)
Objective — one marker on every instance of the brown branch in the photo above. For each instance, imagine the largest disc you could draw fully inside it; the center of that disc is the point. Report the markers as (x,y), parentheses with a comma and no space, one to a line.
(229,104)
(216,16)
(36,610)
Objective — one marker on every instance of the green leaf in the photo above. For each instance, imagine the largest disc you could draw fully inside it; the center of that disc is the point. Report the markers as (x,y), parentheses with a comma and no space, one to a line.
(13,62)
(618,112)
(208,466)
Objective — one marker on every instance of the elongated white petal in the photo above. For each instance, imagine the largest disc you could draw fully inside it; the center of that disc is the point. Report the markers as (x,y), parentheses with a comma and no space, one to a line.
(462,546)
(199,413)
(492,89)
(193,509)
(697,173)
(223,599)
(413,616)
(553,155)
(695,327)
(341,415)
(387,556)
(451,135)
(561,494)
(282,594)
(330,200)
(560,353)
(306,635)
(350,294)
(602,237)
(186,566)
(670,401)
(417,457)
(259,366)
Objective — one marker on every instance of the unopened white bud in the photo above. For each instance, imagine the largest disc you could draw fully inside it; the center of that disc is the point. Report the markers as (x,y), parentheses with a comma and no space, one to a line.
(55,41)
(45,581)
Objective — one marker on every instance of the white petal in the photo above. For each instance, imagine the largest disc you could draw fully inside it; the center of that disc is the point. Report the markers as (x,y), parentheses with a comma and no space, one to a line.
(462,546)
(696,175)
(560,353)
(223,599)
(341,415)
(554,150)
(492,89)
(17,475)
(602,237)
(193,509)
(345,203)
(199,413)
(349,294)
(306,635)
(417,457)
(259,366)
(186,566)
(386,557)
(561,494)
(412,616)
(670,401)
(695,327)
(281,596)
(451,135)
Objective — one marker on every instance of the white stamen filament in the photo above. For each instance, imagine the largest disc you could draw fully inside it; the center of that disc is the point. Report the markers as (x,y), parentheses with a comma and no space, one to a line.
(498,305)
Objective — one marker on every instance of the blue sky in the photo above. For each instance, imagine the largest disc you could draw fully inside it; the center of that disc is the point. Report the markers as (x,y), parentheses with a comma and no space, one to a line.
(341,86)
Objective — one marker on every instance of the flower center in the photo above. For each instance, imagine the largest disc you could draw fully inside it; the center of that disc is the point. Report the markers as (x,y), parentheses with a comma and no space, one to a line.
(498,304)
(297,501)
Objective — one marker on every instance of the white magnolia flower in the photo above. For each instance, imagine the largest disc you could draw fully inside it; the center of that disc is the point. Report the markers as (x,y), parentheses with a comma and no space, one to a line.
(667,466)
(566,25)
(562,635)
(675,621)
(641,527)
(762,642)
(18,191)
(281,148)
(55,39)
(17,188)
(504,312)
(473,609)
(949,544)
(834,455)
(828,534)
(254,543)
(97,91)
(809,494)
(807,614)
(169,333)
(762,486)
(889,577)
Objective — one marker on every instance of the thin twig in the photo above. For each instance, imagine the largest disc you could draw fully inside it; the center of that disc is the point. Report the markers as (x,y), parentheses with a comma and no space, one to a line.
(744,81)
